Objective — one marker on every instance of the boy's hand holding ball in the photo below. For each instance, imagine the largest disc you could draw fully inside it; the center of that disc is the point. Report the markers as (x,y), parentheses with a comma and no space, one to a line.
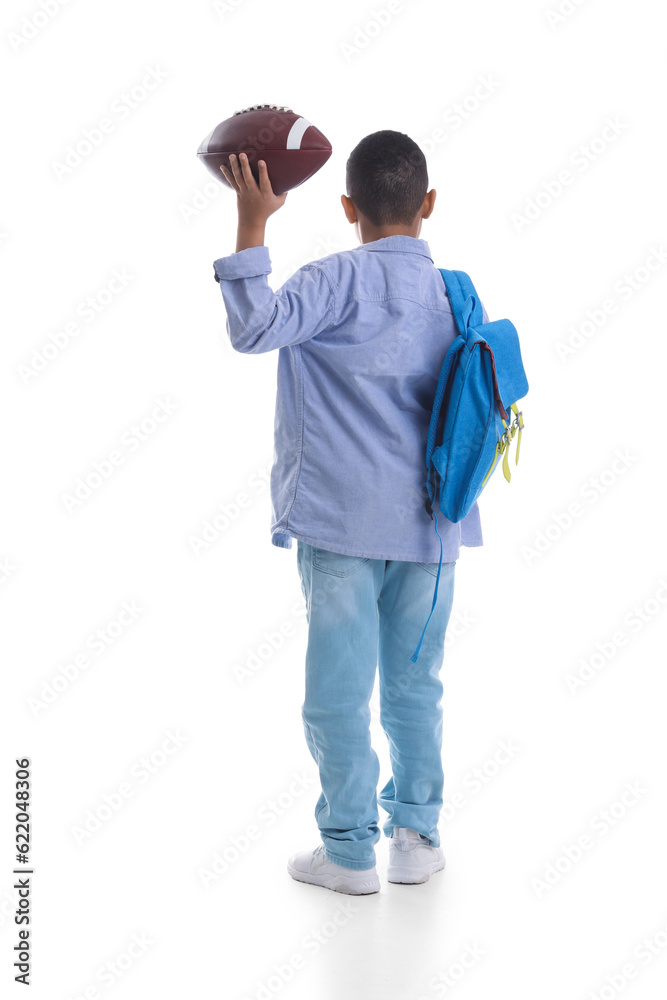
(255,202)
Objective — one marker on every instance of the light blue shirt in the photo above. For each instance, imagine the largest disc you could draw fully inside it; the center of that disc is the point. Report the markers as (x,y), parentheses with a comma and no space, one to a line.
(361,335)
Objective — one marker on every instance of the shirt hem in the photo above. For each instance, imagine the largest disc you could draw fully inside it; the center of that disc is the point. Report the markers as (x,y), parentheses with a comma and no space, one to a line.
(279,538)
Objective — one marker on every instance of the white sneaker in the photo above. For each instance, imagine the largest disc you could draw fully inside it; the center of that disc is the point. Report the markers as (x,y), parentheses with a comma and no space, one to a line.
(315,868)
(412,858)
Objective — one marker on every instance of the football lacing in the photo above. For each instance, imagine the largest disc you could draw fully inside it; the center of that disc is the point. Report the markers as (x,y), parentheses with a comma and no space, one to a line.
(258,107)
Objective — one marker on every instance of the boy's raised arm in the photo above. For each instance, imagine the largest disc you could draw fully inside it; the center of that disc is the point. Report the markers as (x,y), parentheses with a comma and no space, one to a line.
(259,319)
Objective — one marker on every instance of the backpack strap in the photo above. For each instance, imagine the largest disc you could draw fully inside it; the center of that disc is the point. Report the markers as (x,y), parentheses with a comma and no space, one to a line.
(466,309)
(459,288)
(454,349)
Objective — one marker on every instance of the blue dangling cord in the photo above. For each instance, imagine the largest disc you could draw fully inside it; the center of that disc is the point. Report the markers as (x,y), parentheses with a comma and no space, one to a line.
(415,655)
(466,312)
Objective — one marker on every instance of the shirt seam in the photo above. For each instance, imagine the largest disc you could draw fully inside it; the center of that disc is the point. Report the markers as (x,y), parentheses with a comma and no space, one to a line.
(402,298)
(420,253)
(300,420)
(378,298)
(332,288)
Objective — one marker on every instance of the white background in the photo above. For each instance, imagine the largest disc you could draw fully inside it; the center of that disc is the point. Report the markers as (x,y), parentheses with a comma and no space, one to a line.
(536,599)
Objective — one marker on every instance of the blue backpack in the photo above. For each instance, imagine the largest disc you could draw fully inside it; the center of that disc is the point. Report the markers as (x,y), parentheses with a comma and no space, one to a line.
(474,416)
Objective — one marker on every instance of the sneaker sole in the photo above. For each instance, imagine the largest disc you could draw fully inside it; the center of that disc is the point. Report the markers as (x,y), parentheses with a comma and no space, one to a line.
(408,876)
(339,883)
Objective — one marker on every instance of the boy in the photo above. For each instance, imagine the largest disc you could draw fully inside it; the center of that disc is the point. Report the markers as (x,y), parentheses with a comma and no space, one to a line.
(362,335)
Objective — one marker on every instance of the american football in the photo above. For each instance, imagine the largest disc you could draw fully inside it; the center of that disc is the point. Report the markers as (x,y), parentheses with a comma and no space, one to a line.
(292,147)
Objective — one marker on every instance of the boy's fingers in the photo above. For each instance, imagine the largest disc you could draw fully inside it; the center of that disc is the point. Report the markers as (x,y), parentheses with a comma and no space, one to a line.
(246,171)
(264,182)
(236,170)
(228,176)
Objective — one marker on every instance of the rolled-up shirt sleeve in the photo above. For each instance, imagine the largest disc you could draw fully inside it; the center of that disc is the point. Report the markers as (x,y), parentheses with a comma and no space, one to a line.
(259,319)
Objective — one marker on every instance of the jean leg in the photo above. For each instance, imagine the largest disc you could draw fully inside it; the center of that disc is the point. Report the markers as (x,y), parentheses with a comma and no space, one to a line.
(411,693)
(341,659)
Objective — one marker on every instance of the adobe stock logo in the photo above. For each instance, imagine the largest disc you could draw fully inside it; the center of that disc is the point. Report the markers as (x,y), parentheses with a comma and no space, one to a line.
(32,24)
(229,511)
(268,814)
(455,116)
(222,7)
(88,309)
(581,159)
(566,8)
(141,772)
(94,136)
(364,34)
(624,289)
(98,641)
(599,825)
(591,491)
(131,440)
(644,953)
(634,621)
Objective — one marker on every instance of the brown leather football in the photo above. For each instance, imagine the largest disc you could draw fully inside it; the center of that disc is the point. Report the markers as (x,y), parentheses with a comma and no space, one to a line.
(292,147)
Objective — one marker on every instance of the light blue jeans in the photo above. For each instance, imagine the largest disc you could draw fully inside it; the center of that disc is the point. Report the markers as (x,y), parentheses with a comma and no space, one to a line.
(365,614)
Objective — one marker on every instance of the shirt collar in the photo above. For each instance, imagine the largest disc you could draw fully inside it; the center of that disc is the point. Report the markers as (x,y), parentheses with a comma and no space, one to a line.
(399,243)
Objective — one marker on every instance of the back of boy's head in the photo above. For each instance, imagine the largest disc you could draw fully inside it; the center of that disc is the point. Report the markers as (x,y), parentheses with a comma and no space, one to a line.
(386,178)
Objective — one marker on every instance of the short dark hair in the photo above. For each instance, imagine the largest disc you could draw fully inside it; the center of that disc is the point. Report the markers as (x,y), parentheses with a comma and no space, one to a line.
(386,177)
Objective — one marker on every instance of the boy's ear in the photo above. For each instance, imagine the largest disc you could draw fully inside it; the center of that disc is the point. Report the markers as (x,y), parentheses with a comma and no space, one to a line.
(428,203)
(348,208)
